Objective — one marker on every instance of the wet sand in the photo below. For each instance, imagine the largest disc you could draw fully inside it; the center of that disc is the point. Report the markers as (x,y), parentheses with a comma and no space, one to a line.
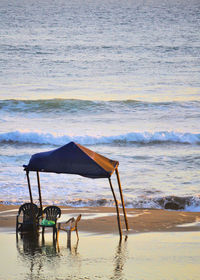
(104,220)
(152,256)
(161,245)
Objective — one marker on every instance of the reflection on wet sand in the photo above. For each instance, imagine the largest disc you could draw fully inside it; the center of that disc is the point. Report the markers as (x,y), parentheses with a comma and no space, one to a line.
(119,260)
(151,256)
(36,253)
(33,251)
(32,244)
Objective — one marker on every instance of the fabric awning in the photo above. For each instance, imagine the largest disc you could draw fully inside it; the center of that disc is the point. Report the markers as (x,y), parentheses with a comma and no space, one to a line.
(73,158)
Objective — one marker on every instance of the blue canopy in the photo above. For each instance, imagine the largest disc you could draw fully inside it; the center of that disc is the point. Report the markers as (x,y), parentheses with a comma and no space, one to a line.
(73,158)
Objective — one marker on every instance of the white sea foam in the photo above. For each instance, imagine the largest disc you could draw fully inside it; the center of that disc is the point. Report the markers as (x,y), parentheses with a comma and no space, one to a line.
(133,137)
(190,204)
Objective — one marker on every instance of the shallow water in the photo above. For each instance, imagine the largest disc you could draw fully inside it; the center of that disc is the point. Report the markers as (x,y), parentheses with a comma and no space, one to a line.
(154,256)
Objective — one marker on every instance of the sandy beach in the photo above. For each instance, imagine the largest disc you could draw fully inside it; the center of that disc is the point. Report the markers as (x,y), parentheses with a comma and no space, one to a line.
(103,219)
(161,245)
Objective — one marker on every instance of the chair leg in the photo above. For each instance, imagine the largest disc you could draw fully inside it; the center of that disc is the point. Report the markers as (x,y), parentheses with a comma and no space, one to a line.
(17,225)
(77,234)
(69,239)
(54,233)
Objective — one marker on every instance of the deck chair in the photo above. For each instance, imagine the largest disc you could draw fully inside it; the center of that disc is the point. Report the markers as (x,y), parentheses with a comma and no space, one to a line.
(51,214)
(29,212)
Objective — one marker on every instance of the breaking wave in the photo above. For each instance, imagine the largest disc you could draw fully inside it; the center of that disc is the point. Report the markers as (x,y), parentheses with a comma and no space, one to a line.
(159,137)
(188,203)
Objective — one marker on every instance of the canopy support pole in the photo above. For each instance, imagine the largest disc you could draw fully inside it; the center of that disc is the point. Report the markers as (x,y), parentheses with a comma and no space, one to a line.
(117,209)
(39,190)
(122,199)
(31,199)
(29,186)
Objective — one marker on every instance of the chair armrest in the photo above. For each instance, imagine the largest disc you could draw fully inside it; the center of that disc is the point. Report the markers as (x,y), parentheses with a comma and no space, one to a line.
(76,223)
(78,219)
(66,225)
(71,220)
(17,217)
(17,223)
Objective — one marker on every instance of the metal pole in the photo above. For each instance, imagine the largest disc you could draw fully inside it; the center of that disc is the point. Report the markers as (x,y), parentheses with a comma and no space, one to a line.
(39,190)
(117,209)
(29,186)
(122,199)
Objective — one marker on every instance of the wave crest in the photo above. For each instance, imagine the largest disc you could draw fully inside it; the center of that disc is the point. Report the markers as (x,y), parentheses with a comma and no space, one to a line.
(128,138)
(78,105)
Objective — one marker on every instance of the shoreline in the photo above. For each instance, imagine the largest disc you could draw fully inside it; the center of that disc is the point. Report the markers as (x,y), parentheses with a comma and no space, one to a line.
(103,220)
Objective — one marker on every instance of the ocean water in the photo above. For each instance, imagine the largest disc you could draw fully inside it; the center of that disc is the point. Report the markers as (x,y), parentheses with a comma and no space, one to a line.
(121,78)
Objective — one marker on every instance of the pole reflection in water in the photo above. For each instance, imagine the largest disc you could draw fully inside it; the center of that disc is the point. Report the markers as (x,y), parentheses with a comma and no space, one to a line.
(149,256)
(94,257)
(120,259)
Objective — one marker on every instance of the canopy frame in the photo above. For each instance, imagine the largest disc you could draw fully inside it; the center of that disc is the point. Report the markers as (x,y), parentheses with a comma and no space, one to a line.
(111,187)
